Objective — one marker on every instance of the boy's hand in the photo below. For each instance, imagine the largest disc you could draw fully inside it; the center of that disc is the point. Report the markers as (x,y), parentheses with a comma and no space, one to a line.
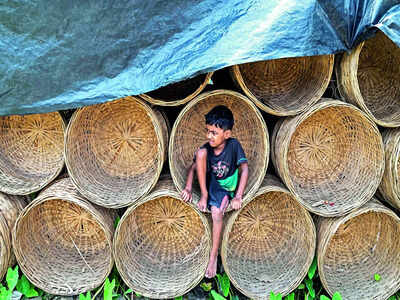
(186,195)
(236,202)
(202,204)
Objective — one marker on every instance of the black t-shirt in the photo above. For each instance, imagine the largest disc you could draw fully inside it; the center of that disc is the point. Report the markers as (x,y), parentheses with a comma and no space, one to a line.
(222,171)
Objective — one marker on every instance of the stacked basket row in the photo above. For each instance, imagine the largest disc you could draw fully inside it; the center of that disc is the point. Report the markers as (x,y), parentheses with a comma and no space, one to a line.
(330,157)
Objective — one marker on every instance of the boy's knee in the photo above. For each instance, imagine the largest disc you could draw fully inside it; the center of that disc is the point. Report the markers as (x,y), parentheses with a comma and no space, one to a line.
(201,154)
(217,214)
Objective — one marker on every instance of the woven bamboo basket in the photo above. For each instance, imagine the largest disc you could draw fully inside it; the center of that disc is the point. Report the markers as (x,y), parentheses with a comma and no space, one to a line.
(115,151)
(369,77)
(62,242)
(389,188)
(10,207)
(31,151)
(269,244)
(286,86)
(188,135)
(162,245)
(353,248)
(178,93)
(330,157)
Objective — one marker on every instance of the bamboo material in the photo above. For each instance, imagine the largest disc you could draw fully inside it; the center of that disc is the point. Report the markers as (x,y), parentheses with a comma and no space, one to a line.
(355,247)
(188,135)
(330,157)
(162,245)
(31,151)
(62,242)
(115,151)
(178,93)
(286,86)
(369,77)
(268,245)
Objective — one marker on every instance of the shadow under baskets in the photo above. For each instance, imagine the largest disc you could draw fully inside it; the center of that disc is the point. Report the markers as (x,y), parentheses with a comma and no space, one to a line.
(114,152)
(178,93)
(268,245)
(10,208)
(354,248)
(330,157)
(285,86)
(369,77)
(188,134)
(62,242)
(31,151)
(162,244)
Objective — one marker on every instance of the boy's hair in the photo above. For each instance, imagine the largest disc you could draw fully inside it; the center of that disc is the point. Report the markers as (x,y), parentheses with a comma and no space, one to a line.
(220,116)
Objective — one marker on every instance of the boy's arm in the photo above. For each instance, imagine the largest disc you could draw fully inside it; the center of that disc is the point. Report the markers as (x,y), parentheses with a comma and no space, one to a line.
(244,174)
(187,191)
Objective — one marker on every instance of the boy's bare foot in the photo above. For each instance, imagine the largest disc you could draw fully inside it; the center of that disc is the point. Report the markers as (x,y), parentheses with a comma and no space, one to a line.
(211,268)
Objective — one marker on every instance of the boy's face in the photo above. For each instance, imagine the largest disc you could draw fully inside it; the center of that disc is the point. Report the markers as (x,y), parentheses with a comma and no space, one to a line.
(216,136)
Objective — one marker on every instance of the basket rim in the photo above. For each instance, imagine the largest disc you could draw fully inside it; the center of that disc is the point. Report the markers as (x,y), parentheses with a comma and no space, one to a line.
(239,79)
(324,104)
(154,195)
(93,197)
(161,102)
(263,126)
(337,222)
(81,202)
(271,187)
(39,186)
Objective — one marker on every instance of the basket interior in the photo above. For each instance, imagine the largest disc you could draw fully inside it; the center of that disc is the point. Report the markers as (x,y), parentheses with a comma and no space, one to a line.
(335,154)
(31,151)
(269,245)
(68,249)
(288,84)
(162,248)
(378,77)
(363,246)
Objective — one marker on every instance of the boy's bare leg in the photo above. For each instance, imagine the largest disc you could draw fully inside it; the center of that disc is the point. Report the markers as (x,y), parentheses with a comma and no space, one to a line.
(217,217)
(201,168)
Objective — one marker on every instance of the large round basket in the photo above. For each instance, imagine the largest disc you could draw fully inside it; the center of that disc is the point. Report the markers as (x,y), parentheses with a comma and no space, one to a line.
(162,245)
(269,244)
(178,93)
(188,134)
(330,157)
(10,208)
(115,151)
(285,86)
(389,188)
(355,248)
(62,242)
(369,77)
(31,151)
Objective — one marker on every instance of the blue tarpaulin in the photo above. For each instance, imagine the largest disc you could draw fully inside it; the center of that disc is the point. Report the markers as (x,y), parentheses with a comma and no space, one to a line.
(65,54)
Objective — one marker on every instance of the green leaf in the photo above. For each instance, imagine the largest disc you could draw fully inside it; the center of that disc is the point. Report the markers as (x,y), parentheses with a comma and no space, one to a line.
(138,295)
(83,297)
(33,293)
(206,286)
(23,285)
(377,277)
(108,289)
(290,296)
(216,296)
(323,297)
(301,286)
(313,268)
(272,296)
(393,297)
(12,278)
(178,298)
(235,297)
(128,291)
(309,285)
(224,283)
(336,296)
(116,221)
(278,296)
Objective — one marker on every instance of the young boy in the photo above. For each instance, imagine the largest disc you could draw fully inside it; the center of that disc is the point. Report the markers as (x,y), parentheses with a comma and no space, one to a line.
(217,163)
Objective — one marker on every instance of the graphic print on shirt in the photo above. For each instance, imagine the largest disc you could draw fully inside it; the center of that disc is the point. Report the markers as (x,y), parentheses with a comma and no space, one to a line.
(220,169)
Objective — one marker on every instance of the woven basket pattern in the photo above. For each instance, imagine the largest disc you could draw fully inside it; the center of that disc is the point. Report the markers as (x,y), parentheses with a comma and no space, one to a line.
(115,151)
(69,241)
(188,134)
(162,245)
(10,207)
(389,188)
(31,151)
(268,245)
(178,93)
(330,157)
(285,86)
(369,77)
(353,248)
